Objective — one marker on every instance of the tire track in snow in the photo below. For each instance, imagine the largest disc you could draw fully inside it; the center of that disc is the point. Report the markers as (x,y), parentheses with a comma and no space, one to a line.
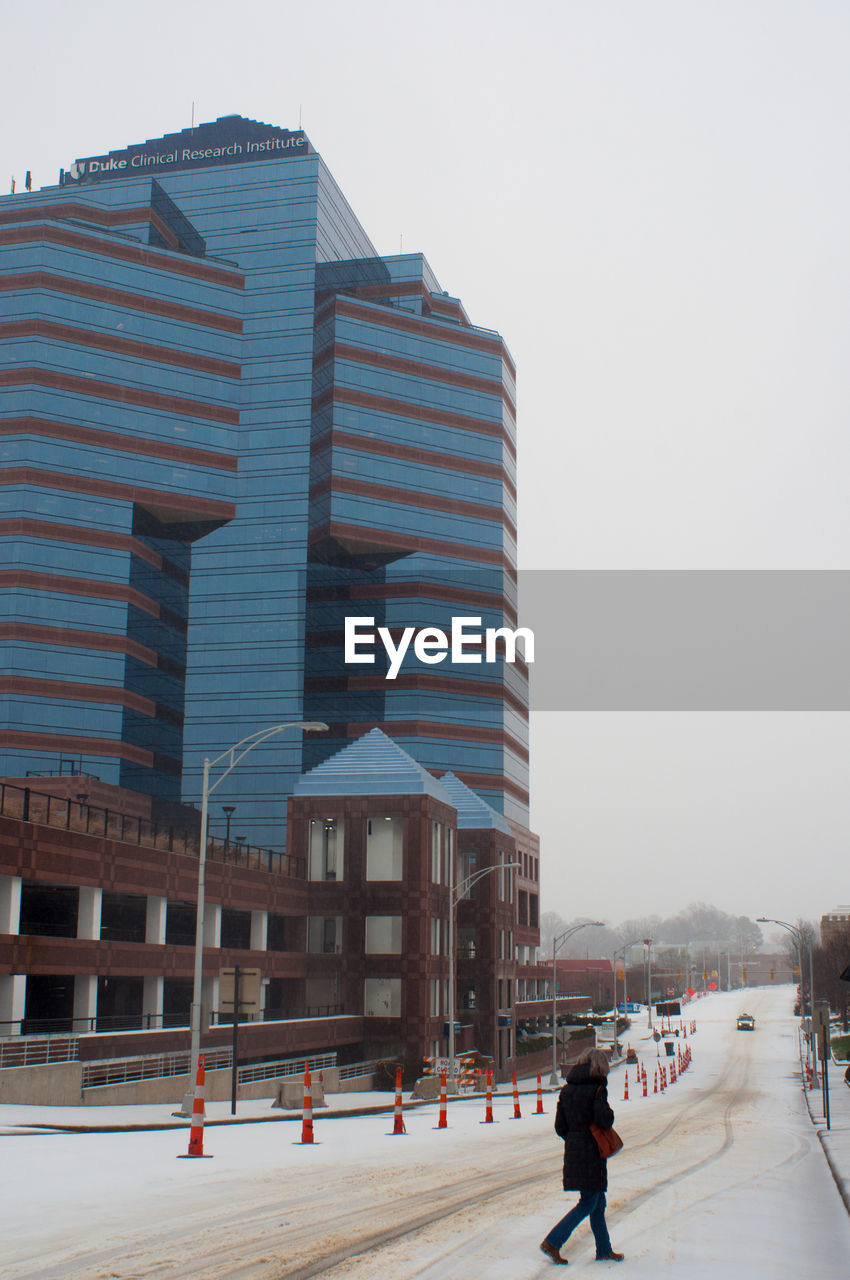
(732,1081)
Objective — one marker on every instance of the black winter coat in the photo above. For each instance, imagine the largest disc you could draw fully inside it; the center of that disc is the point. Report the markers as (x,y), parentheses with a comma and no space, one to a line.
(583,1100)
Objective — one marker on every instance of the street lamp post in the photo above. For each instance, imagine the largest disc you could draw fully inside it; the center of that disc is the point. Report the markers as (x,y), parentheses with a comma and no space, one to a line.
(229,810)
(621,951)
(233,755)
(557,943)
(798,934)
(647,942)
(456,892)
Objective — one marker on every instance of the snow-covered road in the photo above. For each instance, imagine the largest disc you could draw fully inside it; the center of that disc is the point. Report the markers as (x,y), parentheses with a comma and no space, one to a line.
(722,1175)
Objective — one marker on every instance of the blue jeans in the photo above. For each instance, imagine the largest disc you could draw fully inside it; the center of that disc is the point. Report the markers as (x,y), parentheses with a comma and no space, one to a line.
(591,1205)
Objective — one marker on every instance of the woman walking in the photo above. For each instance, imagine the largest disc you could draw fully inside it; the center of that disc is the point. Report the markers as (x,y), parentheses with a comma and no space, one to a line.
(584,1101)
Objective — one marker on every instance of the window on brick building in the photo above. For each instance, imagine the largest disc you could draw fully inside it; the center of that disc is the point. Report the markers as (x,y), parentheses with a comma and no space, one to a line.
(324,935)
(384,849)
(383,935)
(327,837)
(436,872)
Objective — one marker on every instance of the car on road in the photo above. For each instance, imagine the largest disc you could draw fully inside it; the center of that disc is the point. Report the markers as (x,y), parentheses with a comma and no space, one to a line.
(746,1022)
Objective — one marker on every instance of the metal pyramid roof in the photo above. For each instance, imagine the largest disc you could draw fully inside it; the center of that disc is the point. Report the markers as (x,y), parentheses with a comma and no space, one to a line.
(374,765)
(472,811)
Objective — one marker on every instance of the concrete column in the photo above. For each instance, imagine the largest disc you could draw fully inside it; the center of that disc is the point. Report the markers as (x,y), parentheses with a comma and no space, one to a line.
(13,999)
(212,924)
(88,912)
(10,904)
(153,991)
(259,930)
(155,920)
(85,1000)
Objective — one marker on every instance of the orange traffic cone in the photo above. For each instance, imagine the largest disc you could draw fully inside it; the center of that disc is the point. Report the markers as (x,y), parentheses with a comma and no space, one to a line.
(539,1111)
(196,1133)
(672,1072)
(517,1113)
(488,1114)
(655,1085)
(398,1122)
(307,1112)
(443,1121)
(625,1086)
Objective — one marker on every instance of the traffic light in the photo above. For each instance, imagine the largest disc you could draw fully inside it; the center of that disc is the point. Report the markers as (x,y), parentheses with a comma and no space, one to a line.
(772,975)
(744,974)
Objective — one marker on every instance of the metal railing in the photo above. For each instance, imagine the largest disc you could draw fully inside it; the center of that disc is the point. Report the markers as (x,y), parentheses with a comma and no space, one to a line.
(289,1015)
(46,1050)
(17,1052)
(161,1065)
(355,1069)
(80,817)
(284,1067)
(45,1027)
(152,1067)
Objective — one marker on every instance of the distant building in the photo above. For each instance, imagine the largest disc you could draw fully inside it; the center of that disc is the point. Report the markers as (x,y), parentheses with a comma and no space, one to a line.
(593,978)
(835,926)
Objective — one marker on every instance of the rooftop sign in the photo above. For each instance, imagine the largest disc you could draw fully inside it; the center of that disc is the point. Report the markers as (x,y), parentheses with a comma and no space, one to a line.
(231,139)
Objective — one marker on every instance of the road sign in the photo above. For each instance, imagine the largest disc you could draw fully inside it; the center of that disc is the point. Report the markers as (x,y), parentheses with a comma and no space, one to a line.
(820,1016)
(249,990)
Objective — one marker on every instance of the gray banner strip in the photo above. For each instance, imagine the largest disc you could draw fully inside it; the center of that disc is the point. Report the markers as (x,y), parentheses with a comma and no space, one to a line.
(688,640)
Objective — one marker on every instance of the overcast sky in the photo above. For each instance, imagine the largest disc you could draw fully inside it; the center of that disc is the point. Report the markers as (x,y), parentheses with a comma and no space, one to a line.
(650,201)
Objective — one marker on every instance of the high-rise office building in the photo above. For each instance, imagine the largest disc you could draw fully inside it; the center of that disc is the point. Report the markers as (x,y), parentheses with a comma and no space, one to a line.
(229,428)
(228,422)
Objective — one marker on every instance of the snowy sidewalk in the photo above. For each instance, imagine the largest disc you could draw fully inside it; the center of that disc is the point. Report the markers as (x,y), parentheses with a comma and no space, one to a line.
(836,1139)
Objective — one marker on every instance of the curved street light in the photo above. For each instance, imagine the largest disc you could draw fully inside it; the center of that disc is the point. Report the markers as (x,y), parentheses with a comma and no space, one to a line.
(557,943)
(798,934)
(233,755)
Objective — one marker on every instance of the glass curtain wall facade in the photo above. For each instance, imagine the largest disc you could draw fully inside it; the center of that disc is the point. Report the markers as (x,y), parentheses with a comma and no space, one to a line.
(359,445)
(118,417)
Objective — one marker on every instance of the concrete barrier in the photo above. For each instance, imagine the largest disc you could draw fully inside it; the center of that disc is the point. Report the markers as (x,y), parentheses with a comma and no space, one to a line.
(57,1084)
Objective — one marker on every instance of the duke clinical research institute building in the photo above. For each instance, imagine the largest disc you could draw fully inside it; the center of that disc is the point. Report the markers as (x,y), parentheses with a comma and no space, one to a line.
(227,426)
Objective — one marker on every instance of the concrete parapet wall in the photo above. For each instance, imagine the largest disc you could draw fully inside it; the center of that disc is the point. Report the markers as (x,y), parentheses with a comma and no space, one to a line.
(55,1085)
